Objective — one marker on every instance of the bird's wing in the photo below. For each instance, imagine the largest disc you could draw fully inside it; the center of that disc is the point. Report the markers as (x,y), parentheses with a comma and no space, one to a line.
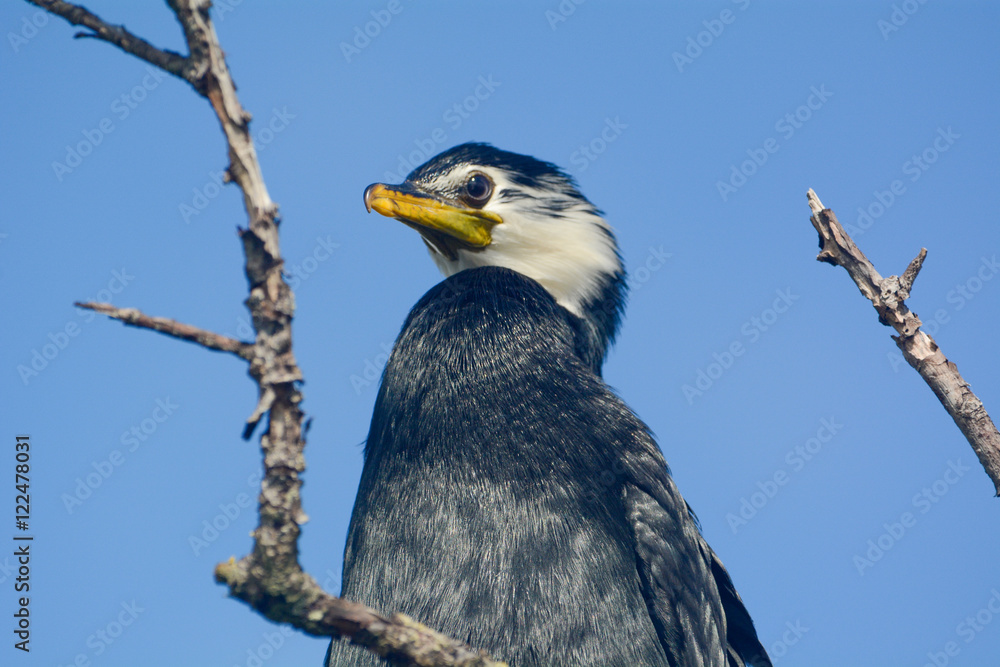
(740,631)
(698,615)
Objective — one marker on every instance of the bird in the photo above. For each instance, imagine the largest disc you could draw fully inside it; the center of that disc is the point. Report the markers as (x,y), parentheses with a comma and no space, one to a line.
(509,498)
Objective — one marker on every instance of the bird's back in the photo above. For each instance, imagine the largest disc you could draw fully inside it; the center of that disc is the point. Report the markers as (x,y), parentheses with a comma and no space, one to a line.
(504,491)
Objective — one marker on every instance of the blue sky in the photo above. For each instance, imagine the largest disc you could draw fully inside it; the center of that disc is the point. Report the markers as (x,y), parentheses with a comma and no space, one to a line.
(852,514)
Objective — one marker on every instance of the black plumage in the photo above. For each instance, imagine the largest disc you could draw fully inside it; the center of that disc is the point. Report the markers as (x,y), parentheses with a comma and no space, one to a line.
(511,500)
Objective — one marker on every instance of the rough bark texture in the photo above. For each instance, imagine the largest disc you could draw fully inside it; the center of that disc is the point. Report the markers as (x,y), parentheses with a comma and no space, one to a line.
(270,578)
(888,296)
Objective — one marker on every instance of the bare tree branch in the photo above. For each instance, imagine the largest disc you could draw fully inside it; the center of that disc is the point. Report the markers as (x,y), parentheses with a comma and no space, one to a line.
(270,579)
(206,339)
(919,349)
(168,61)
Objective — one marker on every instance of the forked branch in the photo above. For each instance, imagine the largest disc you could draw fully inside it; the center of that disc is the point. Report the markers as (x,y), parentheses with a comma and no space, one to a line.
(888,296)
(270,579)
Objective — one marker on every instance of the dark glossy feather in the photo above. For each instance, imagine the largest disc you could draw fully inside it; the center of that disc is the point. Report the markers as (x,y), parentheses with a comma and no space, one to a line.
(511,500)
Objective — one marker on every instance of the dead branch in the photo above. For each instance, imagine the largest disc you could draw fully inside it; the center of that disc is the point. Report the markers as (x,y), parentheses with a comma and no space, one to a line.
(919,349)
(166,60)
(173,328)
(270,579)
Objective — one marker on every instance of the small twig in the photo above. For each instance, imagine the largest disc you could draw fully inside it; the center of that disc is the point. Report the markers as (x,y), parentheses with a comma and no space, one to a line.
(168,61)
(919,349)
(206,339)
(906,282)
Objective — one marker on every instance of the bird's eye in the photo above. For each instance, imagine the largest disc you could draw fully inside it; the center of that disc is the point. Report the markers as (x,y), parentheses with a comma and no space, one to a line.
(478,189)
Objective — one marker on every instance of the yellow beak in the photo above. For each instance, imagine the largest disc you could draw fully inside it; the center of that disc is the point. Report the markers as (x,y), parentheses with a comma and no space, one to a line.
(470,226)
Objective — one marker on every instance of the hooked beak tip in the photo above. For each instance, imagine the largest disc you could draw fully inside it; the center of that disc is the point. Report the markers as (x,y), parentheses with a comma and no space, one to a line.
(369,196)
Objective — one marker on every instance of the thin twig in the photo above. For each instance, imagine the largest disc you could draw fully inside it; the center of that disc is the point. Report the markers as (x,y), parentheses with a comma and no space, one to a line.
(207,339)
(919,349)
(906,282)
(168,61)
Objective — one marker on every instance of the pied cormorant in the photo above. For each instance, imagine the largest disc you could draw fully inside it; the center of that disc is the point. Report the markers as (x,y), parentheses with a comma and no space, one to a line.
(509,498)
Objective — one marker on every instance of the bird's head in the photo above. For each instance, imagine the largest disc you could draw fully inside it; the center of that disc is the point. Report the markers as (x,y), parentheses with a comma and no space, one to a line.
(475,205)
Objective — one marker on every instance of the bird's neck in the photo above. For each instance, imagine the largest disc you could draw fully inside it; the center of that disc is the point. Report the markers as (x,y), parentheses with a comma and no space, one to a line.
(480,332)
(598,322)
